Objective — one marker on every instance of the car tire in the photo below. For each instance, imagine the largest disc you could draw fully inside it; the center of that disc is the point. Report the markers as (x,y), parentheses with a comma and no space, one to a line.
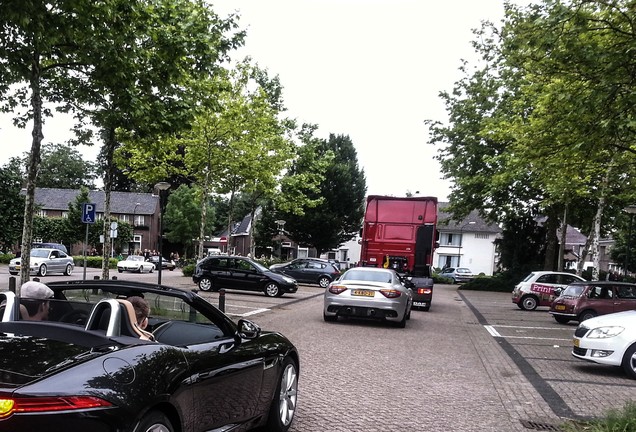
(528,302)
(324,281)
(120,270)
(272,290)
(154,421)
(586,314)
(42,270)
(152,269)
(283,408)
(427,307)
(454,281)
(329,318)
(205,284)
(402,323)
(68,270)
(561,320)
(629,361)
(408,315)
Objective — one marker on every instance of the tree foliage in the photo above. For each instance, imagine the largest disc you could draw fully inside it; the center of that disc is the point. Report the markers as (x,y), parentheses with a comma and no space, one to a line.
(11,204)
(337,217)
(63,167)
(545,122)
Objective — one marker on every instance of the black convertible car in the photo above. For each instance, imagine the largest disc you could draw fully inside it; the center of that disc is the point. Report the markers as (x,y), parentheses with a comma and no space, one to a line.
(88,367)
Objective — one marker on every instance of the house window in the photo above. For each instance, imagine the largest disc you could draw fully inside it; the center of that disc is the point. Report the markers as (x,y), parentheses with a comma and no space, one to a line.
(140,220)
(450,239)
(42,213)
(448,261)
(99,216)
(484,236)
(124,218)
(65,214)
(303,252)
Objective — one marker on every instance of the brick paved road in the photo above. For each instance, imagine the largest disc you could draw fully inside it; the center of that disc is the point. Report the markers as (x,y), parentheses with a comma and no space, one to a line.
(475,362)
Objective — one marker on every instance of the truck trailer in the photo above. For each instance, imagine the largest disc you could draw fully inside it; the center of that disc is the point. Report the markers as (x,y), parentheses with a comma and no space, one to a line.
(401,233)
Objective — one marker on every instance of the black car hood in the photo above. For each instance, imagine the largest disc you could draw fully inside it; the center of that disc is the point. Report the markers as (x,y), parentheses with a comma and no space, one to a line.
(24,359)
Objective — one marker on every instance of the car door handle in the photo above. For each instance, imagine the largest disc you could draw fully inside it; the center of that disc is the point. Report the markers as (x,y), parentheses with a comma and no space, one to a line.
(226,347)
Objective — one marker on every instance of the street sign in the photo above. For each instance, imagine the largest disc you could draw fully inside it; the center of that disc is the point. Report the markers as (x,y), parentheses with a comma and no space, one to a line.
(88,212)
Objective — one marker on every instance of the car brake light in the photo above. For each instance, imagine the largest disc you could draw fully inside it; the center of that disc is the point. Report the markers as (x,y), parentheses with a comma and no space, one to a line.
(424,290)
(390,293)
(9,406)
(337,289)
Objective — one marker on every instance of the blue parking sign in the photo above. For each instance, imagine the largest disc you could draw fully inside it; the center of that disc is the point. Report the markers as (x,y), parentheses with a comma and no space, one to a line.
(88,212)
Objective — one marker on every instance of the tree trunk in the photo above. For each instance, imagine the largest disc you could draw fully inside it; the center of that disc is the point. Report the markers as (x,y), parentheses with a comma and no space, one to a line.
(109,152)
(552,225)
(32,172)
(204,212)
(564,231)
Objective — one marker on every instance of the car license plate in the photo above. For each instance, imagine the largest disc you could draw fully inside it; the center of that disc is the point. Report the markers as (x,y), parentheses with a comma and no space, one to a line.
(17,267)
(420,304)
(559,307)
(363,293)
(576,342)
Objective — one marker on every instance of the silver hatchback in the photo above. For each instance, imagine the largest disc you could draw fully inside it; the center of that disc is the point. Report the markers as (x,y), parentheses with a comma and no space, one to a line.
(44,261)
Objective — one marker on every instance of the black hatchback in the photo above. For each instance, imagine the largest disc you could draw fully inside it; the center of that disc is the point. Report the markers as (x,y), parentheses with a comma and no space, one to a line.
(241,273)
(309,270)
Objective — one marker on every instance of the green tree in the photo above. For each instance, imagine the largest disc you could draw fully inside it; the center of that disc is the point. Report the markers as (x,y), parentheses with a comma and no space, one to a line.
(39,43)
(544,126)
(183,217)
(63,167)
(338,216)
(11,204)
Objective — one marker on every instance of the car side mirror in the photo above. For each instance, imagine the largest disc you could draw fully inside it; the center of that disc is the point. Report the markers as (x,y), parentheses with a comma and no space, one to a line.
(558,291)
(248,330)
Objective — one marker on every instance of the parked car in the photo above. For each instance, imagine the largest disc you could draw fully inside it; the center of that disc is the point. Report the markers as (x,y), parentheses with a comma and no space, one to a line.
(40,245)
(457,274)
(242,273)
(608,340)
(166,264)
(369,292)
(537,289)
(135,263)
(45,261)
(87,368)
(584,300)
(309,270)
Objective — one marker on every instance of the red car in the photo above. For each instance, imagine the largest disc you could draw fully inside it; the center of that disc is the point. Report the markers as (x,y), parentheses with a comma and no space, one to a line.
(584,300)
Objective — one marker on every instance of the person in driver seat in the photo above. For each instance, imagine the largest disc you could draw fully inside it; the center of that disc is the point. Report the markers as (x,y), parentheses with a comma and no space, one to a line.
(142,312)
(35,301)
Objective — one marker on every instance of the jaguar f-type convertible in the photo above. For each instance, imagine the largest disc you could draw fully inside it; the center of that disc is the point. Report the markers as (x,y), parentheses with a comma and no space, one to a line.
(91,367)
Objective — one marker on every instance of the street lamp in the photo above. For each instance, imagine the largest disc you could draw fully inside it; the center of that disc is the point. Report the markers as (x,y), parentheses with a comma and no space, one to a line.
(461,241)
(133,228)
(162,187)
(631,210)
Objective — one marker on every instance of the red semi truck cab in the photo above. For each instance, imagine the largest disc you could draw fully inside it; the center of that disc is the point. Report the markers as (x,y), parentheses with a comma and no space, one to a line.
(400,233)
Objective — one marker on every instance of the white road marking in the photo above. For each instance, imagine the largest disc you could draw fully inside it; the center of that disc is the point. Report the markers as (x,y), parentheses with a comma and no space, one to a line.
(494,333)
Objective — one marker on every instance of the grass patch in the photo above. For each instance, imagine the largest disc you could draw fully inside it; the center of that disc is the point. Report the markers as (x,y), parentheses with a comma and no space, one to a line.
(619,420)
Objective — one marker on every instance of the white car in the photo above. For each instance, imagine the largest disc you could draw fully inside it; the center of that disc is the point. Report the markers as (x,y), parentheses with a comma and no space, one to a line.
(135,263)
(537,289)
(608,340)
(368,292)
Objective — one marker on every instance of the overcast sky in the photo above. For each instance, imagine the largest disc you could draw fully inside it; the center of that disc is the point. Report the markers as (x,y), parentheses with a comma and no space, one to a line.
(369,69)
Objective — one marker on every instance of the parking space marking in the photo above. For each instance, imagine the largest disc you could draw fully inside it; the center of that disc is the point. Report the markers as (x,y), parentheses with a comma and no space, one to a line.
(494,333)
(246,314)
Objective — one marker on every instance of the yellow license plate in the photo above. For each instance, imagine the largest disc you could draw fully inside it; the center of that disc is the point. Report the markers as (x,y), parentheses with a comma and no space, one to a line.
(576,342)
(17,267)
(559,307)
(363,293)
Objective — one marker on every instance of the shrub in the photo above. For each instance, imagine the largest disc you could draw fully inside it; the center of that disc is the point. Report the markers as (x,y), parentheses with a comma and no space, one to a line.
(188,270)
(501,282)
(5,258)
(94,262)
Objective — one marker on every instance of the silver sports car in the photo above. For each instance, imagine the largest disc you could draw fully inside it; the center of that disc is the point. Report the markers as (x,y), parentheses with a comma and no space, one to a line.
(368,292)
